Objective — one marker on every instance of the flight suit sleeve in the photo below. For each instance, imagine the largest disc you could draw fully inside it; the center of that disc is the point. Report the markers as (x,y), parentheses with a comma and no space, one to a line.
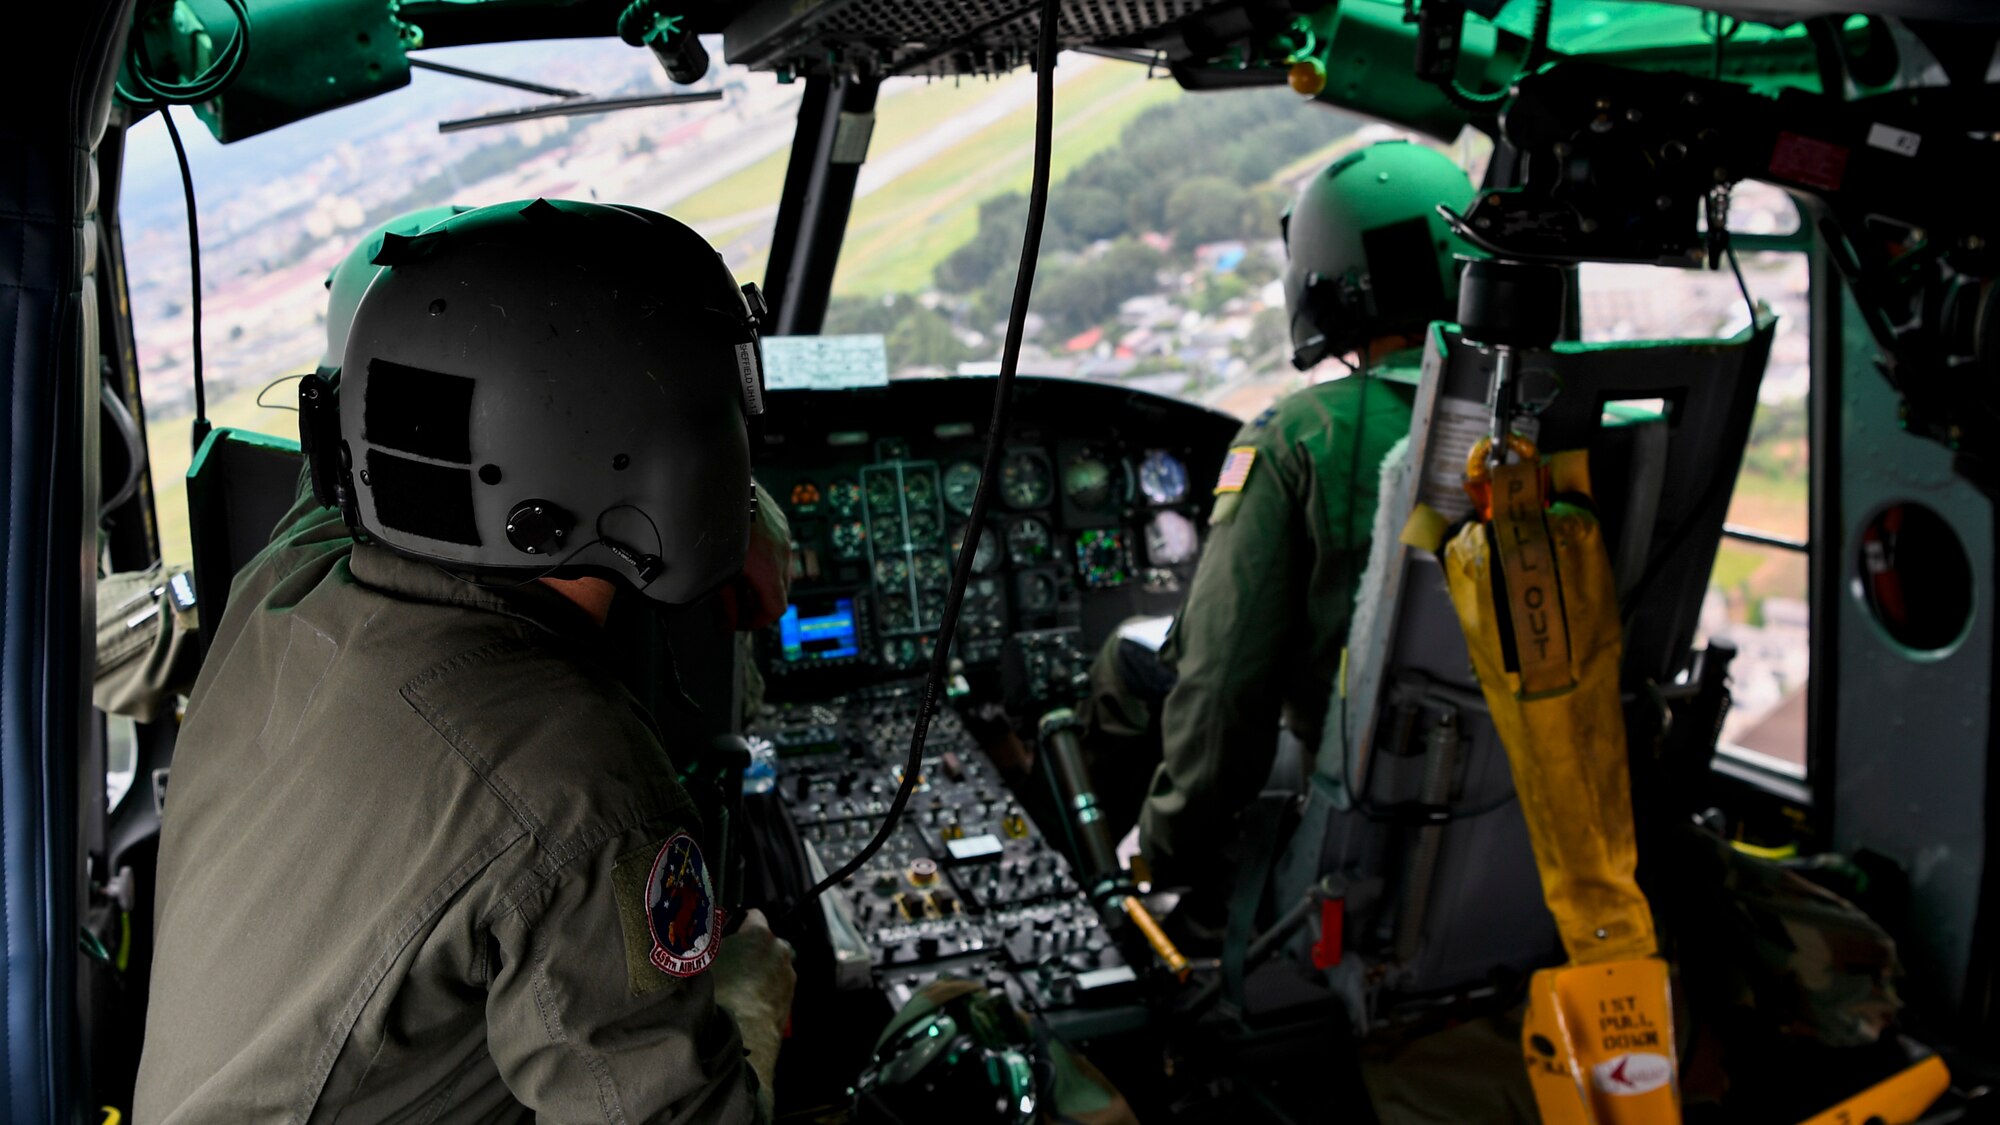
(583,1028)
(1219,727)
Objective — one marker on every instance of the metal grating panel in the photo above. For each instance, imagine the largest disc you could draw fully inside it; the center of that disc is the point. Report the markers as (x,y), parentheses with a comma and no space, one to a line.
(994,21)
(949,36)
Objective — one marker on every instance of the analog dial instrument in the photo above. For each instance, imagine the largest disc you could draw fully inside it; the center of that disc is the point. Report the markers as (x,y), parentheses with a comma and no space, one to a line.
(961,481)
(881,488)
(1025,480)
(844,496)
(932,571)
(891,571)
(1101,559)
(1163,478)
(895,611)
(1038,592)
(1171,539)
(849,537)
(986,556)
(1028,542)
(1087,481)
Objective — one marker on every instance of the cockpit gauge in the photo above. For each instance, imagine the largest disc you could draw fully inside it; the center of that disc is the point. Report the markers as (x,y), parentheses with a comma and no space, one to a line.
(919,488)
(1028,542)
(1102,560)
(849,537)
(932,571)
(888,532)
(924,529)
(1037,592)
(844,497)
(986,556)
(891,571)
(881,492)
(960,482)
(1025,480)
(1087,481)
(1171,539)
(1163,478)
(805,498)
(894,610)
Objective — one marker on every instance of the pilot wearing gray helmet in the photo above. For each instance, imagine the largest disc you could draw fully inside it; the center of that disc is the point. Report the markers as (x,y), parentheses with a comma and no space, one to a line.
(425,856)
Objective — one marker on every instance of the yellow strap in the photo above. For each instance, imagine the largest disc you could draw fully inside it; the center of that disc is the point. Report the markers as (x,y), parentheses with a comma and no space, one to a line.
(1534,603)
(1569,471)
(1896,1101)
(1566,750)
(1425,528)
(1759,851)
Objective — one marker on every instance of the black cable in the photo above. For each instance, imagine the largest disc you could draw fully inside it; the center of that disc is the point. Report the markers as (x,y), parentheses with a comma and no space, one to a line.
(201,426)
(996,431)
(1742,286)
(1714,23)
(1717,489)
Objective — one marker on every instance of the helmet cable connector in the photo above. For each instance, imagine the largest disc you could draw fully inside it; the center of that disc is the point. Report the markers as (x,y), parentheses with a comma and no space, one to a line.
(645,567)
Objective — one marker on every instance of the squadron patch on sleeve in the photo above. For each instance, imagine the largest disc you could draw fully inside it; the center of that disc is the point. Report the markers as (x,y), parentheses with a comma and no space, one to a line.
(681,914)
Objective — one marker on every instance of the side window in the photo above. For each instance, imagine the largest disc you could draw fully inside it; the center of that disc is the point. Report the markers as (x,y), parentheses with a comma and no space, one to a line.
(278,211)
(1757,596)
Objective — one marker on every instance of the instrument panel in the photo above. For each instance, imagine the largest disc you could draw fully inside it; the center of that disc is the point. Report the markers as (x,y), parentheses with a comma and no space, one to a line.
(1094,518)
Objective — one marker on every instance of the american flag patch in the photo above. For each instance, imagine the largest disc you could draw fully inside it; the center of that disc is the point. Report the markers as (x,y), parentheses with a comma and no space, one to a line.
(1236,469)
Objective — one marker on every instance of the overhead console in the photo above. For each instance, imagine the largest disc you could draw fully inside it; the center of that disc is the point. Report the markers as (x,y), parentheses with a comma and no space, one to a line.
(1098,515)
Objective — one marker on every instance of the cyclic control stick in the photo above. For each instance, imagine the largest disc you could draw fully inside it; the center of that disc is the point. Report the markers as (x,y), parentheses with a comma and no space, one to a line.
(1090,841)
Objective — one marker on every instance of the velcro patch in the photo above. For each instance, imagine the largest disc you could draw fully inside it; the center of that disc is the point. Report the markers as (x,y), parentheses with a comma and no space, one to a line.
(681,914)
(1236,469)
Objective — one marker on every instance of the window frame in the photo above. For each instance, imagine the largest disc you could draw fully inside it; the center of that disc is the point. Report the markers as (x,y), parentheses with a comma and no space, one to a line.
(1768,776)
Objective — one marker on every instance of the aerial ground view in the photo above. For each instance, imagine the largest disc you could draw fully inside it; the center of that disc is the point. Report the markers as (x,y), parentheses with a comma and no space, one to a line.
(1159,267)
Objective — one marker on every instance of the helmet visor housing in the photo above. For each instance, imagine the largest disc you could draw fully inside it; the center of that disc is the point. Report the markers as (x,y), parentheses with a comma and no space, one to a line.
(554,389)
(1366,253)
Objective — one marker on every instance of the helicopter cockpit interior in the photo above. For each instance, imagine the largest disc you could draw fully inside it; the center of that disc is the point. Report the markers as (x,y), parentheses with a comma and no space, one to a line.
(1663,875)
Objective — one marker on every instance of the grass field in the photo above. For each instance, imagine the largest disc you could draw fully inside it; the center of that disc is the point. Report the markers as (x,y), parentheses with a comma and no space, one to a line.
(899,117)
(900,231)
(898,234)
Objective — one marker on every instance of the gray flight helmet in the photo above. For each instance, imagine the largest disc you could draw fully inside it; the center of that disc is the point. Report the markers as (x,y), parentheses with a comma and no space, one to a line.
(1366,253)
(550,389)
(350,278)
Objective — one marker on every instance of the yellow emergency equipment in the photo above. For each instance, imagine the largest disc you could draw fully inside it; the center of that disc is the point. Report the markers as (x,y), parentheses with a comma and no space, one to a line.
(1531,582)
(1897,1100)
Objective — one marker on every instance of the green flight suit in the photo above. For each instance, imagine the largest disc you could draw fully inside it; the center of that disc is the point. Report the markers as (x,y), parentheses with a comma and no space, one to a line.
(406,860)
(1266,616)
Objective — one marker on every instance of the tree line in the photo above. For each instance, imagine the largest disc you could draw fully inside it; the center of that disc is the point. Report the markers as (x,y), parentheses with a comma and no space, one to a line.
(1197,169)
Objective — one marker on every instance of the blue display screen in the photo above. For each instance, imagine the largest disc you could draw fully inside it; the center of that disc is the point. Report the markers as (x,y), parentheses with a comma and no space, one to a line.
(820,633)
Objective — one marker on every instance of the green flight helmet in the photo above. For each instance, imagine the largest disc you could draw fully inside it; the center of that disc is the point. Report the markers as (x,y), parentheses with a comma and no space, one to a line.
(1366,253)
(548,389)
(350,278)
